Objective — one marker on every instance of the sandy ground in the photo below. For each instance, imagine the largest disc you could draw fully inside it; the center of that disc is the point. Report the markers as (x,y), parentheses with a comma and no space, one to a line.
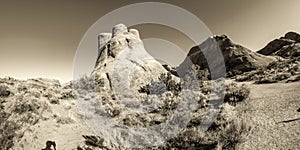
(268,106)
(60,123)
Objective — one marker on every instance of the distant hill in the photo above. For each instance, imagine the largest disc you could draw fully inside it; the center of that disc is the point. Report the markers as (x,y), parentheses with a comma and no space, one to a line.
(237,59)
(287,67)
(287,46)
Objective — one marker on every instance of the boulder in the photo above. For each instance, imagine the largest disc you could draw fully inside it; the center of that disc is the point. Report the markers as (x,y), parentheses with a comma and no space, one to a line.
(292,36)
(117,29)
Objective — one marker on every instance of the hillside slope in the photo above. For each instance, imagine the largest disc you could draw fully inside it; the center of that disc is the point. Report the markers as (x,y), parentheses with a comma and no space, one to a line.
(237,58)
(287,46)
(271,109)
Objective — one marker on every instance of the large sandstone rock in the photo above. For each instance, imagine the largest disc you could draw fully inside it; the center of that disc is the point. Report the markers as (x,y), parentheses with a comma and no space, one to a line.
(120,28)
(136,91)
(103,38)
(123,61)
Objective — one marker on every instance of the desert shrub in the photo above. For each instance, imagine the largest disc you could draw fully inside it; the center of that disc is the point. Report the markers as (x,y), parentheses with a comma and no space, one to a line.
(235,93)
(22,88)
(274,72)
(201,73)
(294,79)
(85,83)
(65,94)
(226,135)
(54,101)
(7,129)
(282,76)
(145,89)
(205,87)
(4,91)
(24,105)
(252,75)
(92,142)
(169,103)
(2,101)
(297,78)
(242,78)
(165,82)
(265,79)
(65,120)
(233,133)
(171,84)
(8,132)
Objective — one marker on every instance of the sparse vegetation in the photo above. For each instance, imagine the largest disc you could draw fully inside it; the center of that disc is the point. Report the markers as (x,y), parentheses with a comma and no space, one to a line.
(8,128)
(223,134)
(235,93)
(8,133)
(65,120)
(4,91)
(85,83)
(234,133)
(164,83)
(24,105)
(280,70)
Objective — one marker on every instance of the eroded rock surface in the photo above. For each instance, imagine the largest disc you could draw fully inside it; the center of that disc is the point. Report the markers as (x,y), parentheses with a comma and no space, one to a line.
(286,46)
(236,58)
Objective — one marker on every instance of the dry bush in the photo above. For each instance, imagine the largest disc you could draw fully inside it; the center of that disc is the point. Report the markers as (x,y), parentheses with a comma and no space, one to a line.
(164,83)
(26,105)
(24,112)
(235,93)
(95,142)
(295,79)
(85,83)
(8,133)
(233,133)
(7,129)
(265,79)
(65,120)
(277,71)
(4,91)
(224,135)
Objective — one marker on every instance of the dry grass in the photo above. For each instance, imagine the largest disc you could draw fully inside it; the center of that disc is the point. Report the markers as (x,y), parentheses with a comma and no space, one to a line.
(277,71)
(268,105)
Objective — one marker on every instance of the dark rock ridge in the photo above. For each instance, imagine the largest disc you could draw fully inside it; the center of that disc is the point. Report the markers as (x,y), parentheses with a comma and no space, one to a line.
(287,67)
(237,58)
(286,47)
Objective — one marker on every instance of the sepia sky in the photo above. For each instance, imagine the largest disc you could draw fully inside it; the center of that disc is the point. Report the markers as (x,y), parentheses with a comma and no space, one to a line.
(39,38)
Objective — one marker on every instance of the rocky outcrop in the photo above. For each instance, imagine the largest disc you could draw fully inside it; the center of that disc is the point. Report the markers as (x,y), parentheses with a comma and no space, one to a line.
(237,58)
(123,61)
(292,36)
(275,45)
(286,47)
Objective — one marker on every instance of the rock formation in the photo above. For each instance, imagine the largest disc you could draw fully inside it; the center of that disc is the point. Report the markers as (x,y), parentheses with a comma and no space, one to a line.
(286,47)
(237,58)
(123,63)
(134,100)
(123,67)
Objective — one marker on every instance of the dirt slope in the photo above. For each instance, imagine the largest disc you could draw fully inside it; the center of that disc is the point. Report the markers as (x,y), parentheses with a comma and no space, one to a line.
(236,58)
(268,106)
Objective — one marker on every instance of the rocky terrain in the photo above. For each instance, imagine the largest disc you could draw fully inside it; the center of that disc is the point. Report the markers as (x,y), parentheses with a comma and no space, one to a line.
(132,101)
(287,67)
(237,58)
(286,46)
